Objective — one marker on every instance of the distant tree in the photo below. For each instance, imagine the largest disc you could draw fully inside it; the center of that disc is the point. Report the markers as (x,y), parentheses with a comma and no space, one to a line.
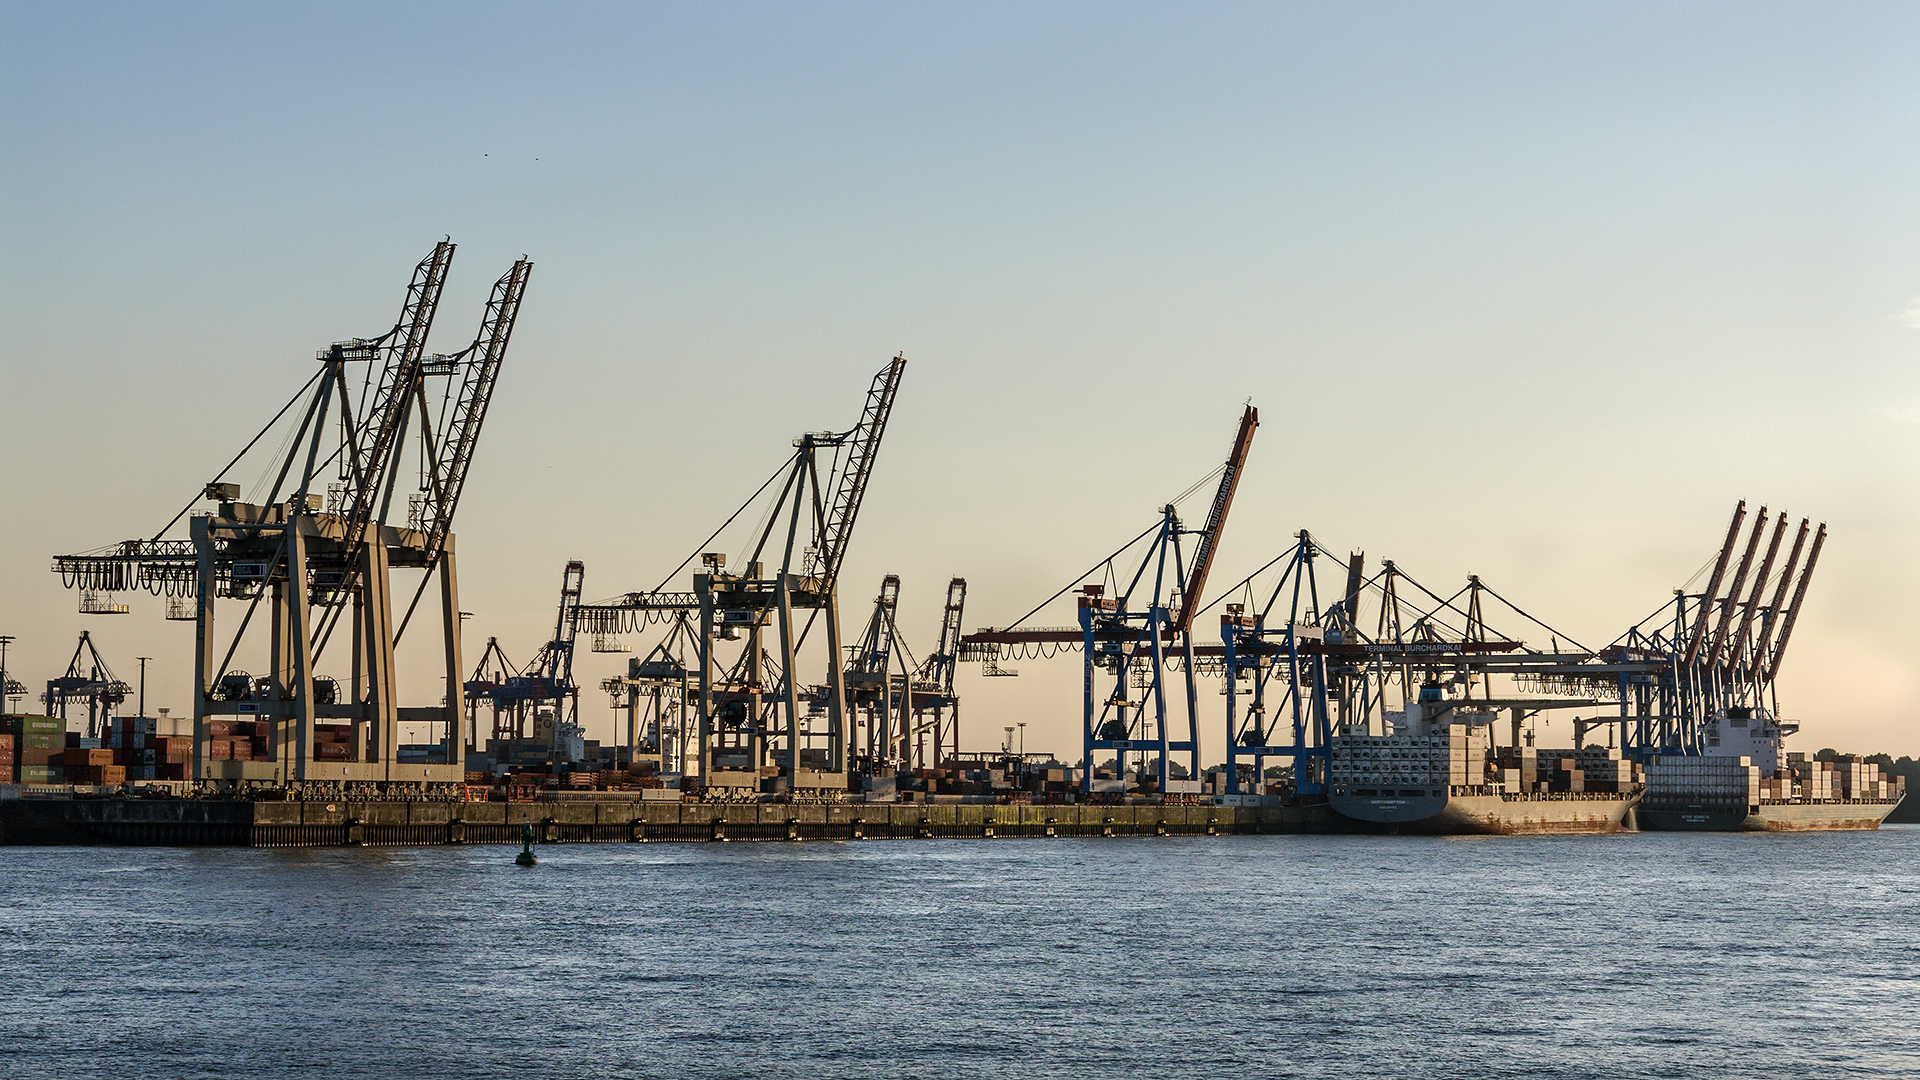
(1277,772)
(1176,770)
(1885,761)
(1825,754)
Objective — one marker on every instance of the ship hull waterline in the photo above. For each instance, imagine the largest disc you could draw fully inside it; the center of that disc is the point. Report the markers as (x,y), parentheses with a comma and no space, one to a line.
(1850,816)
(1486,815)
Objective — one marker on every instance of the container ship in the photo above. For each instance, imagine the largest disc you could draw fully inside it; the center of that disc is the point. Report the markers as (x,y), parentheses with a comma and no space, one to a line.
(1754,785)
(1437,772)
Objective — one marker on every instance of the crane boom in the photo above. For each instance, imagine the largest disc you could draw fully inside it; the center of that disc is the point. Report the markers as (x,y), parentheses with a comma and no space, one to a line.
(558,658)
(461,426)
(401,349)
(1733,593)
(940,666)
(1737,651)
(1780,595)
(1799,594)
(372,445)
(863,444)
(1713,583)
(1216,520)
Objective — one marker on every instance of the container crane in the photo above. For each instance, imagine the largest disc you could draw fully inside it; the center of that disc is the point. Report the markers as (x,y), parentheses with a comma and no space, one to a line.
(752,711)
(317,561)
(656,692)
(517,694)
(875,690)
(1131,635)
(935,705)
(93,683)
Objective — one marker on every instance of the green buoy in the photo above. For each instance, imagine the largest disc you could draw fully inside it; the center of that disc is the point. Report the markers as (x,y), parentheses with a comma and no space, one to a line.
(526,856)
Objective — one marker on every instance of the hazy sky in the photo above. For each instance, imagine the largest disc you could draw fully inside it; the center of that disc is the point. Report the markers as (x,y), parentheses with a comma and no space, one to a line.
(1530,291)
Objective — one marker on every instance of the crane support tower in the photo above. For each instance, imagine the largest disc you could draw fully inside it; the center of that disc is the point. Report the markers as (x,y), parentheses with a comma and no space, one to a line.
(93,683)
(1132,637)
(879,687)
(935,706)
(318,551)
(755,719)
(656,694)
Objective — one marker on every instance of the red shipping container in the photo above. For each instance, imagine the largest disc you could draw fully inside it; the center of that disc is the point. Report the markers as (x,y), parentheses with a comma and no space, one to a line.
(6,740)
(331,751)
(166,743)
(260,748)
(171,772)
(85,758)
(220,750)
(220,729)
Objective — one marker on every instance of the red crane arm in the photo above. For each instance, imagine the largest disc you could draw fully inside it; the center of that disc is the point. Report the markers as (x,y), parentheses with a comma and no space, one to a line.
(1216,521)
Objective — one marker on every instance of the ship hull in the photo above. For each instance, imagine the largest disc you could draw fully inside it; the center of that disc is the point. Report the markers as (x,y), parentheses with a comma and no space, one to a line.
(1468,815)
(1850,816)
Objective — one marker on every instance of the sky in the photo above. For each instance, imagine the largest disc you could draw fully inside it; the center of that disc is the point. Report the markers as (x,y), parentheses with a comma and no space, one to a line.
(1535,292)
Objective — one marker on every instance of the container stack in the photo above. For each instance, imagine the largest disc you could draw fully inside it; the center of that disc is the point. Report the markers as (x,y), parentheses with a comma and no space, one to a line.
(1400,761)
(165,757)
(88,766)
(1703,781)
(38,742)
(333,742)
(1605,770)
(129,732)
(238,740)
(1848,776)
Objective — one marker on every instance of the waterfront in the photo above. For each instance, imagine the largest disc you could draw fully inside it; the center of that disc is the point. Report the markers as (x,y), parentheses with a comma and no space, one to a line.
(1651,955)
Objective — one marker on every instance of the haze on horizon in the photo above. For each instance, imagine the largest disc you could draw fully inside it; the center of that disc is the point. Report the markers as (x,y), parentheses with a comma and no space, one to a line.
(1536,293)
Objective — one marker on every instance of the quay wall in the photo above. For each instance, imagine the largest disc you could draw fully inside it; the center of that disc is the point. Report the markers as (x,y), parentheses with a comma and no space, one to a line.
(186,822)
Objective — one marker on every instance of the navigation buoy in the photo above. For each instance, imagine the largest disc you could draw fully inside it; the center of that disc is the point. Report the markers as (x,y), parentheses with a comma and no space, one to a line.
(526,856)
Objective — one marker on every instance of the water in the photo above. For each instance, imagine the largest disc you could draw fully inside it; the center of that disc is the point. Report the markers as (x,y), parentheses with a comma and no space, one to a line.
(1657,955)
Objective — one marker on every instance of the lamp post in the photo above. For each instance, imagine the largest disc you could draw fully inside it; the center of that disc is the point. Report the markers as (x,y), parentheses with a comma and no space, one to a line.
(143,683)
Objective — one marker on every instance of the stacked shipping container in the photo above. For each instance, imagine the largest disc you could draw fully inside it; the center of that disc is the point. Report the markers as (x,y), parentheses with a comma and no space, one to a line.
(1703,781)
(38,742)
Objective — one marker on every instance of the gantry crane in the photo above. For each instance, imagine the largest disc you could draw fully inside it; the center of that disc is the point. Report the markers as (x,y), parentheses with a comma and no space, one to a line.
(93,683)
(1132,635)
(899,702)
(656,693)
(491,674)
(875,689)
(752,709)
(317,560)
(1309,671)
(935,706)
(1691,667)
(517,694)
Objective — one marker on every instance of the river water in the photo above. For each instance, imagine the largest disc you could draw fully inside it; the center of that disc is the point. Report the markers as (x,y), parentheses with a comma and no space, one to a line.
(1652,955)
